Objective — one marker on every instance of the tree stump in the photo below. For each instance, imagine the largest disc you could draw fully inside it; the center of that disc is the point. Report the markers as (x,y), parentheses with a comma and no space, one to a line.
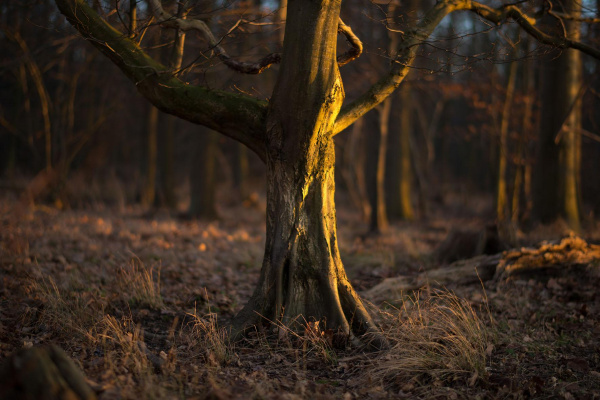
(43,374)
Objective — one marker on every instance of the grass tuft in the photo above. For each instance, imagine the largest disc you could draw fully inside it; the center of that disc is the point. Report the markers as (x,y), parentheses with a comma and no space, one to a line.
(141,284)
(67,311)
(208,338)
(439,338)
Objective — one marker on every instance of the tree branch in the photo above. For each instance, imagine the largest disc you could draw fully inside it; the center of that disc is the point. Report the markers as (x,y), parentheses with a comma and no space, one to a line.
(407,50)
(357,46)
(411,40)
(237,116)
(185,25)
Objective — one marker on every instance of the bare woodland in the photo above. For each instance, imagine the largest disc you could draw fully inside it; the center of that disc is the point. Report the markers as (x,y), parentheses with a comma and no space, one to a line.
(427,226)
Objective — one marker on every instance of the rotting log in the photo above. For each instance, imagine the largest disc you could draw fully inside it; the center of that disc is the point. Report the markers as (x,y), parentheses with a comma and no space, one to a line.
(464,272)
(552,259)
(568,256)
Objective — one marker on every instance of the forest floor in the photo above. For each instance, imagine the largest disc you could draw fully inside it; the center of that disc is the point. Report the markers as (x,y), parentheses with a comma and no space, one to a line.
(141,303)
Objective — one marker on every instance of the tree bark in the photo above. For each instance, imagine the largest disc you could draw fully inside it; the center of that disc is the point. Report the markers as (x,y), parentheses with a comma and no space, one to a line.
(302,272)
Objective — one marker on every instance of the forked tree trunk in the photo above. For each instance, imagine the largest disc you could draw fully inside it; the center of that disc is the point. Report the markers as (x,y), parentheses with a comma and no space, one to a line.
(302,272)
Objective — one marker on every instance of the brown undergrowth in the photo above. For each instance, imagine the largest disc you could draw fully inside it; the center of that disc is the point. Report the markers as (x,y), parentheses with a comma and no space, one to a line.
(436,339)
(137,333)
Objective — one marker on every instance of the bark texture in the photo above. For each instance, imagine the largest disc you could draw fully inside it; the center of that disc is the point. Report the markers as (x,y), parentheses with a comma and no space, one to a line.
(302,272)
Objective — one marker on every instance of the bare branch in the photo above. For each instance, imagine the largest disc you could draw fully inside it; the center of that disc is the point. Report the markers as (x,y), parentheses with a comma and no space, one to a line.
(411,40)
(252,68)
(168,20)
(528,24)
(237,116)
(357,46)
(587,20)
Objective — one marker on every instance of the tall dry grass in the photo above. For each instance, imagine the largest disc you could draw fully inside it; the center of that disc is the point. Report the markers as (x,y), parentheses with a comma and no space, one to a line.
(141,284)
(438,337)
(208,339)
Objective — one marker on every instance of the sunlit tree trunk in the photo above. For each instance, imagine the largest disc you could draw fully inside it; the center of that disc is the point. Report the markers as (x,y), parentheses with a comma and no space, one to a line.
(502,205)
(302,271)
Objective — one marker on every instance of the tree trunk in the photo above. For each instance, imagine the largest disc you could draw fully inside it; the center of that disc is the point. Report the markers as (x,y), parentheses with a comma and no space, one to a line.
(560,126)
(302,272)
(376,132)
(240,171)
(149,189)
(502,207)
(399,175)
(167,171)
(203,178)
(399,158)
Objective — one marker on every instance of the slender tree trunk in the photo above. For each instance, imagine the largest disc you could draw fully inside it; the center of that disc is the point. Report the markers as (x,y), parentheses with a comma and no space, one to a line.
(502,206)
(149,189)
(557,164)
(376,138)
(403,134)
(399,177)
(302,271)
(354,171)
(522,202)
(203,178)
(240,170)
(168,162)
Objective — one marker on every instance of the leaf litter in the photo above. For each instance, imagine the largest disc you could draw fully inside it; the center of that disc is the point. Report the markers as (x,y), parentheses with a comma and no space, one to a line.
(142,304)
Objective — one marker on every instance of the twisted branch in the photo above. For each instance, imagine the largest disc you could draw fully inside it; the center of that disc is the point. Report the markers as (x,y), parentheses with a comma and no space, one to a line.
(357,46)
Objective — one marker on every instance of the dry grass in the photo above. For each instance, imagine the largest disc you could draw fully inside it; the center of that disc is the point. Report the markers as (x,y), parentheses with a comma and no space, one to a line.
(140,284)
(127,361)
(440,338)
(67,311)
(208,339)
